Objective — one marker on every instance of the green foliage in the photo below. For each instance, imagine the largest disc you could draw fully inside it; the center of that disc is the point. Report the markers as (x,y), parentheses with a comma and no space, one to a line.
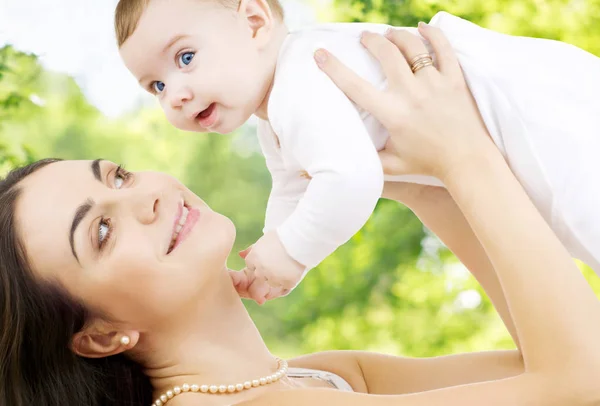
(575,22)
(392,287)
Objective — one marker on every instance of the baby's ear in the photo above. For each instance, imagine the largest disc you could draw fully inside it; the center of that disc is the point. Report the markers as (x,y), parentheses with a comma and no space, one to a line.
(99,340)
(259,17)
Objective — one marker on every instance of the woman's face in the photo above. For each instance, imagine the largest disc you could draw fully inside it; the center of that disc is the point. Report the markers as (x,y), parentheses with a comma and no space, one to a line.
(106,236)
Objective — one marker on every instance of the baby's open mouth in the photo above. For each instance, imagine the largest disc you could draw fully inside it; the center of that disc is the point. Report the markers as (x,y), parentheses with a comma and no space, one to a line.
(206,112)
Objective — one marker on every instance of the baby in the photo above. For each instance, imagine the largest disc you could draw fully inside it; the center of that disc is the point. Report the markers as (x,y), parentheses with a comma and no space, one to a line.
(214,63)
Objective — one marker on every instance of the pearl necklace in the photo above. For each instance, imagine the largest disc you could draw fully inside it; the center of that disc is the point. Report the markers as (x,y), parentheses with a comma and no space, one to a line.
(220,389)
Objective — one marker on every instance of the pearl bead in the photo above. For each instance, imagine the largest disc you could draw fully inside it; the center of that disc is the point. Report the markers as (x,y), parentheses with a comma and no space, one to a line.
(125,340)
(177,390)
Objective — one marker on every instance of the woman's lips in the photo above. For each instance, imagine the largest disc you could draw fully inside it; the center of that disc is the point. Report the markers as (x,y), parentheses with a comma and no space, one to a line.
(193,214)
(207,118)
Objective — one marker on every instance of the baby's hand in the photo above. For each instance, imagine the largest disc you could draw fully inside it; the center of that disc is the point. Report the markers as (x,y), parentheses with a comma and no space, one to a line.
(248,287)
(272,272)
(257,289)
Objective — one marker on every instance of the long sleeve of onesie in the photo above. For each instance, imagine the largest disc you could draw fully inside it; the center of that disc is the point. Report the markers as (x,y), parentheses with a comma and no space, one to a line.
(320,132)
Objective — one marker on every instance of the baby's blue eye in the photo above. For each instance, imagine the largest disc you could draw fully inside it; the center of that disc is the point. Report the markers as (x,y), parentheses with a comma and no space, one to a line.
(186,58)
(158,86)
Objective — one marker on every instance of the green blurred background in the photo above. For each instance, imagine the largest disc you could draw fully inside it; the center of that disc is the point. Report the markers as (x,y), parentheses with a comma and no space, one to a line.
(393,288)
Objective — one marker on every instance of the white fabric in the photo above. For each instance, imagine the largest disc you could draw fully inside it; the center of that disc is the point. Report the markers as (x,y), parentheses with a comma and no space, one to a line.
(334,380)
(539,99)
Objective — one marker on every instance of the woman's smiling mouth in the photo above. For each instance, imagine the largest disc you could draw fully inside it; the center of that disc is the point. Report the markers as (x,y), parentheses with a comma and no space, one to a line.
(185,220)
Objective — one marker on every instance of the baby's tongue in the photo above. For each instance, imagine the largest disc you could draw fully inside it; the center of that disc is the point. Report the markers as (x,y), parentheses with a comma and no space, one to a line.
(207,112)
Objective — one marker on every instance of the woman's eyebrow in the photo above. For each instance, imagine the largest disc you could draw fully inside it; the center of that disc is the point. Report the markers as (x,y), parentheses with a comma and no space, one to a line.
(84,208)
(96,169)
(80,214)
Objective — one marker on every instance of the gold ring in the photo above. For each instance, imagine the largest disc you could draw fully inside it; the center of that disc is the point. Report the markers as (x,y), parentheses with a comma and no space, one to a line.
(417,57)
(420,64)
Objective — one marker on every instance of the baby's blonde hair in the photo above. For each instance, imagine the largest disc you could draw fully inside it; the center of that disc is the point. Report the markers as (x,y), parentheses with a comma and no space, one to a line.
(129,12)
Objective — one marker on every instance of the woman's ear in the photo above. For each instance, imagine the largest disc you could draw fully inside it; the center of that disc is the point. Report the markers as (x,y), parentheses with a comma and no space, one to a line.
(99,340)
(257,14)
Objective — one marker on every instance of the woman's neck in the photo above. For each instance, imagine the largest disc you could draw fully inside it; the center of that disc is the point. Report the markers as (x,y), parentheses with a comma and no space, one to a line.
(215,342)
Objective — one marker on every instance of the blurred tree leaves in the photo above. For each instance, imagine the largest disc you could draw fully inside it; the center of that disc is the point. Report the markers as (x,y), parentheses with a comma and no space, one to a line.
(573,21)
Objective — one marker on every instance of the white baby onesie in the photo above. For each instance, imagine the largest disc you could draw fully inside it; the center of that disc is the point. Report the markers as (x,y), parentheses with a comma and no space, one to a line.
(540,100)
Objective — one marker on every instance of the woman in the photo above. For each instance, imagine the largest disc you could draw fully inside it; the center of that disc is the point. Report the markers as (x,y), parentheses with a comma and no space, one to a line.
(116,291)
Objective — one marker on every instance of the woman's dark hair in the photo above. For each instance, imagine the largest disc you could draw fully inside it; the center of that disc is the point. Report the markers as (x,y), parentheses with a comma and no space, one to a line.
(37,322)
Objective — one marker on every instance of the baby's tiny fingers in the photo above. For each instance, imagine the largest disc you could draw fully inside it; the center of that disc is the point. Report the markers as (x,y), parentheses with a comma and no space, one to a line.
(259,290)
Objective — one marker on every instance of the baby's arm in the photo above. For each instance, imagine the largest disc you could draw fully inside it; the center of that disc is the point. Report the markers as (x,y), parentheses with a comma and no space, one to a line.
(286,189)
(320,128)
(321,134)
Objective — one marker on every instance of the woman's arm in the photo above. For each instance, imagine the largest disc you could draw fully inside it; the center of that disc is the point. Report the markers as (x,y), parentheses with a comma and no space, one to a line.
(438,211)
(523,390)
(558,372)
(435,123)
(389,375)
(380,374)
(556,315)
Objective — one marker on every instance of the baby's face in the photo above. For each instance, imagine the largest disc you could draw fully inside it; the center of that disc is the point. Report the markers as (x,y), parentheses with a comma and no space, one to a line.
(203,62)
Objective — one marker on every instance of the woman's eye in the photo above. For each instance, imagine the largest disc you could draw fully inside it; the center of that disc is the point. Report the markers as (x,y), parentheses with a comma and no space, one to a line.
(121,176)
(119,180)
(158,86)
(103,230)
(185,59)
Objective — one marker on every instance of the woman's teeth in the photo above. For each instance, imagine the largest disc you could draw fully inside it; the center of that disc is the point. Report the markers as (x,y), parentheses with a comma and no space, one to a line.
(179,226)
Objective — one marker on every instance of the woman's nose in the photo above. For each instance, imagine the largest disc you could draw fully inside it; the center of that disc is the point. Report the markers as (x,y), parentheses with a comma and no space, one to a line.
(145,207)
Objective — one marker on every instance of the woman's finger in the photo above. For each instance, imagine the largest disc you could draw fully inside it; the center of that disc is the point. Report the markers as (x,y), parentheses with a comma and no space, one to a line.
(356,88)
(446,58)
(392,164)
(412,48)
(393,63)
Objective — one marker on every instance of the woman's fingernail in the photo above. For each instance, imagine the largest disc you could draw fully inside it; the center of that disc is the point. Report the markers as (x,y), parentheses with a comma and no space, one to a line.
(320,56)
(423,25)
(388,33)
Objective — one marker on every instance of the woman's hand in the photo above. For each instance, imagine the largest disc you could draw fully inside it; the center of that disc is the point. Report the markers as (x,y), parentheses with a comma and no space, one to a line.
(433,121)
(434,127)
